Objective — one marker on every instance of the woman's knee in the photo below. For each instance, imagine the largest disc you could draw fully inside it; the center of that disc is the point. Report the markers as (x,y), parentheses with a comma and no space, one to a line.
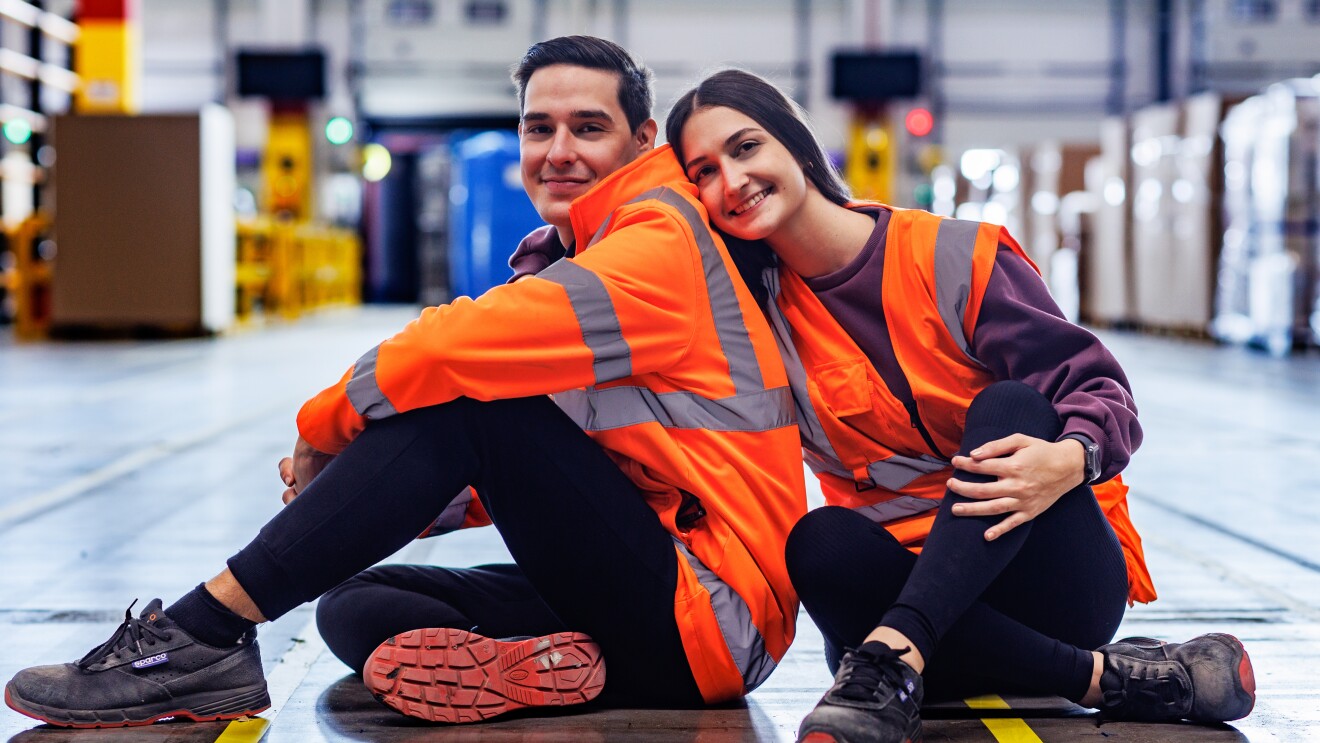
(1009,407)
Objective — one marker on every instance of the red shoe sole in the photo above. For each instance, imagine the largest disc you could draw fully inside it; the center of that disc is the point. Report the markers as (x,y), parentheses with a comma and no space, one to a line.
(1246,675)
(449,675)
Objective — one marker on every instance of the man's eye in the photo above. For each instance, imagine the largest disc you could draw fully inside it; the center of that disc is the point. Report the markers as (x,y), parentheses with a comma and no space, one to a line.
(591,128)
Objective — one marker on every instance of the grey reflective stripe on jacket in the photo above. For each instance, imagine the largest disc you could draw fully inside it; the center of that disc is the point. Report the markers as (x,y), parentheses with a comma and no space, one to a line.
(364,392)
(751,408)
(451,519)
(617,407)
(955,242)
(746,646)
(955,245)
(612,358)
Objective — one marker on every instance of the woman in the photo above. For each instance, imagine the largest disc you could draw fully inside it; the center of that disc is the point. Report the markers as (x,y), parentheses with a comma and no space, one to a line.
(967,437)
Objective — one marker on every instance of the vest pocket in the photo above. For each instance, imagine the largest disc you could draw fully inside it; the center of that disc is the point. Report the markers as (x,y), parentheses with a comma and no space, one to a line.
(844,386)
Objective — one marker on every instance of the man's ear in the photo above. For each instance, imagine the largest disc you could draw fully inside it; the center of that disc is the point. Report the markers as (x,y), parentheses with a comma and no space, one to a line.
(645,135)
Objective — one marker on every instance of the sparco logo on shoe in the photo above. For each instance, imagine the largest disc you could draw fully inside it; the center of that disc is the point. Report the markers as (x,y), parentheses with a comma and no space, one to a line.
(154,660)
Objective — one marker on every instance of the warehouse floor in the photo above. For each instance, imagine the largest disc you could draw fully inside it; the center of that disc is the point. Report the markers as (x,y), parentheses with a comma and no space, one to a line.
(132,470)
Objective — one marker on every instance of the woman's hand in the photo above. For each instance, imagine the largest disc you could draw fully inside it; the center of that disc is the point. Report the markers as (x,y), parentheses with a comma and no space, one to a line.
(298,471)
(1033,474)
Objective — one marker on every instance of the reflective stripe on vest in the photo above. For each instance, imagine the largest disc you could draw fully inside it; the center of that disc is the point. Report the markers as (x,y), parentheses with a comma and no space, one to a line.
(954,244)
(363,391)
(611,355)
(816,445)
(743,639)
(954,247)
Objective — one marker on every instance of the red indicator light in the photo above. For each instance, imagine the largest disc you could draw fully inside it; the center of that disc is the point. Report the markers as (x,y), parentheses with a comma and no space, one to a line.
(919,122)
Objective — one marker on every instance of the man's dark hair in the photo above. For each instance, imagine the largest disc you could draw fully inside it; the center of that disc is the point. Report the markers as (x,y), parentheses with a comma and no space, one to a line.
(635,96)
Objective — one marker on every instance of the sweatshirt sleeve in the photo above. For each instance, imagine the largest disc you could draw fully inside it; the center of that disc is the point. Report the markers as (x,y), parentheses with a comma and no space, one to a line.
(536,252)
(624,307)
(1022,334)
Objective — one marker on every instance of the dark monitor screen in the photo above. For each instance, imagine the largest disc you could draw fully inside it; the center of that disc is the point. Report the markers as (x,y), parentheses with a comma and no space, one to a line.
(282,76)
(874,76)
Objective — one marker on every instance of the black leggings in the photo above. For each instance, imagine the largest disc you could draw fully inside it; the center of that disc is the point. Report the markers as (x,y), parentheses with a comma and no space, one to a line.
(592,555)
(1019,614)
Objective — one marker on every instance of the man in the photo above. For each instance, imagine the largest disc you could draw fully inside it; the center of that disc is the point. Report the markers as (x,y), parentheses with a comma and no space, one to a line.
(647,512)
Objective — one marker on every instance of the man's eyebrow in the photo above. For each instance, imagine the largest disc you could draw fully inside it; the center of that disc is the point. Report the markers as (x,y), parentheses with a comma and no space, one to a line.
(586,113)
(728,141)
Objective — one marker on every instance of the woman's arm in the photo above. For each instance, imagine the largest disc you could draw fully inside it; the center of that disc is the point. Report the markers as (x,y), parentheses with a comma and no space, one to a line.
(1022,335)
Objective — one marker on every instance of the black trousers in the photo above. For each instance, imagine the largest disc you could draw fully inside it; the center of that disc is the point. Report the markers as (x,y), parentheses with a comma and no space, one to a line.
(1019,614)
(592,555)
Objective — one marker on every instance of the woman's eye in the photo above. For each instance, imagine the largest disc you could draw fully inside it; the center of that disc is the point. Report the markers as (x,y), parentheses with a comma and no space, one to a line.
(745,147)
(702,174)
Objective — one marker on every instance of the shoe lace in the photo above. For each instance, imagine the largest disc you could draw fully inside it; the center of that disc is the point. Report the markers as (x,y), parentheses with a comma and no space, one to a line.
(128,637)
(870,671)
(1147,688)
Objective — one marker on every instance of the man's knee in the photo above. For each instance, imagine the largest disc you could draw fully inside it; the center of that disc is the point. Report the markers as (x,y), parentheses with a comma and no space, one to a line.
(811,553)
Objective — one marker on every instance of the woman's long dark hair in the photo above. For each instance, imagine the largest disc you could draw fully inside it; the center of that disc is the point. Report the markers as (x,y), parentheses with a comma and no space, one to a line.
(762,102)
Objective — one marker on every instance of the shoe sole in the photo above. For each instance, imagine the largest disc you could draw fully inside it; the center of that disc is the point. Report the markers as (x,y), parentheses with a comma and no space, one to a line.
(208,707)
(1245,690)
(449,675)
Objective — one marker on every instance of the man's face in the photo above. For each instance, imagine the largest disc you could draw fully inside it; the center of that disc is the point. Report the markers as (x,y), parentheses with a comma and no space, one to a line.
(573,133)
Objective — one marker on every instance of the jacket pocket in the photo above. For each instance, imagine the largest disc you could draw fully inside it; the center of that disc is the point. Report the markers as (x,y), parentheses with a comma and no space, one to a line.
(844,386)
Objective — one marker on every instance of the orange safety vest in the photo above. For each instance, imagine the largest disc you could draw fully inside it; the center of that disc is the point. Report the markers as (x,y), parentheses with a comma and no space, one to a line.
(857,436)
(655,348)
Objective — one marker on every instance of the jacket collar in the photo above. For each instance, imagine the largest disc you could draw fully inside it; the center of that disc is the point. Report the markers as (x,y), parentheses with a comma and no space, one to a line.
(590,210)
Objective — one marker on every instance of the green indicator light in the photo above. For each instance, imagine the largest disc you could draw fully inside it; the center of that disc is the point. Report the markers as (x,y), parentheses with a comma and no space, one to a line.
(18,131)
(338,130)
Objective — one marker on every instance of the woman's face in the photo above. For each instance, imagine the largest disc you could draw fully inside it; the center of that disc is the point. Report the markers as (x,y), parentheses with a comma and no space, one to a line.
(746,179)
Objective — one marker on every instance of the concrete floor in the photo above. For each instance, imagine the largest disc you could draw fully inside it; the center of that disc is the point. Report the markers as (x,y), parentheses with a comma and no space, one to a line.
(134,469)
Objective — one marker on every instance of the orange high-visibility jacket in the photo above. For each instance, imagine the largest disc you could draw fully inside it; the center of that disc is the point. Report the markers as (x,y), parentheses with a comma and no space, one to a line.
(857,436)
(657,350)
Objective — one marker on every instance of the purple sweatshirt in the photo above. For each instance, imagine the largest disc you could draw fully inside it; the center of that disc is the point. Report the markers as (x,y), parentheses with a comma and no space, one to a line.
(1020,334)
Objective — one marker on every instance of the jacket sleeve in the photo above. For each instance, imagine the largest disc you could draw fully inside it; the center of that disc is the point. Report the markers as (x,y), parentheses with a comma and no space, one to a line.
(1022,334)
(626,306)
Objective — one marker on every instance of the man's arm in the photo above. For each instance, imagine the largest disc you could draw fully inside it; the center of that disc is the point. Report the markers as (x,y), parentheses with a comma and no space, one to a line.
(625,307)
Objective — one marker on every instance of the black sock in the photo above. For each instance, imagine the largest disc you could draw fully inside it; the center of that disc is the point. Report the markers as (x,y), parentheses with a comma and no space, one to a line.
(199,614)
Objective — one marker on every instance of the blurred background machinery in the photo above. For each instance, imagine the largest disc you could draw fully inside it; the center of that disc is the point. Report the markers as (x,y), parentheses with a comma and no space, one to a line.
(1156,159)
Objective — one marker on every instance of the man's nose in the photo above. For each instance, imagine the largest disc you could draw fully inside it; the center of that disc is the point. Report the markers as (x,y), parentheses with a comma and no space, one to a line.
(562,151)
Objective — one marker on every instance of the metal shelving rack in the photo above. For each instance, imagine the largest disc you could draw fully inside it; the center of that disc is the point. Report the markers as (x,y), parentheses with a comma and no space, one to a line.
(36,55)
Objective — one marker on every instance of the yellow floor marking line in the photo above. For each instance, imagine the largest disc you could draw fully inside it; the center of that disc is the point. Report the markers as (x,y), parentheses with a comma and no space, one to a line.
(1005,729)
(281,682)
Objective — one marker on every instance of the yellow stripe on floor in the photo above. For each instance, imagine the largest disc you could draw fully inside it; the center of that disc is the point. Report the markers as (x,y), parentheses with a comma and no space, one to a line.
(1005,729)
(247,730)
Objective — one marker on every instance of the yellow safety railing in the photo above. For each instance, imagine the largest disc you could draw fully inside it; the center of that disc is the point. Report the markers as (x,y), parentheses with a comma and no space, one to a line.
(287,268)
(28,279)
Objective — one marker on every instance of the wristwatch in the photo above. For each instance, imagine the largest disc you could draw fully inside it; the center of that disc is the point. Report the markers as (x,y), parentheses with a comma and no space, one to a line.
(1091,451)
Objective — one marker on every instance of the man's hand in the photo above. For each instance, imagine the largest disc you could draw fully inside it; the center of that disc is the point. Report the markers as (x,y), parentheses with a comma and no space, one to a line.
(1033,474)
(298,471)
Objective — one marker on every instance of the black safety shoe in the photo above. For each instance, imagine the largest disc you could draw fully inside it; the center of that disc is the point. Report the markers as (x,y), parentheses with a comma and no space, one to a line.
(1206,679)
(150,669)
(876,698)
